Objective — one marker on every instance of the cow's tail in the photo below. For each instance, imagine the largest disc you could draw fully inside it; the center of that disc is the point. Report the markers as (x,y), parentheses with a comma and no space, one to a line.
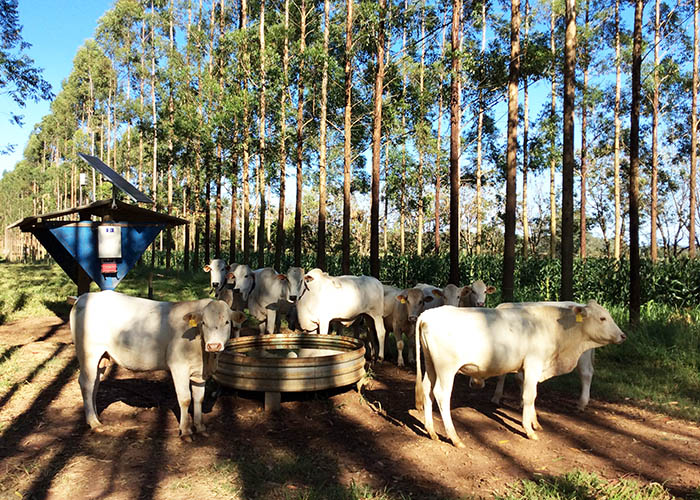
(420,397)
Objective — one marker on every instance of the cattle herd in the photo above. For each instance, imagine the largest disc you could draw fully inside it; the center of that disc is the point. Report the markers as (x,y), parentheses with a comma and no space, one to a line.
(450,326)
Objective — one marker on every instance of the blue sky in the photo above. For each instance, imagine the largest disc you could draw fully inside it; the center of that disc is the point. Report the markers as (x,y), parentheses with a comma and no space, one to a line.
(55,28)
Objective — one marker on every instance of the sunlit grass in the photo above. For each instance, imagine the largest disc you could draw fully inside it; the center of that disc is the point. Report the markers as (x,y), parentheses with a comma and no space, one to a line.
(584,486)
(657,367)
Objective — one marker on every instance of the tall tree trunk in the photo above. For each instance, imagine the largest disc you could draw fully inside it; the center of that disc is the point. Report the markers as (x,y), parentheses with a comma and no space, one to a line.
(234,213)
(220,136)
(511,154)
(141,105)
(693,135)
(245,167)
(421,118)
(455,128)
(616,160)
(552,160)
(300,134)
(279,243)
(479,136)
(635,282)
(526,129)
(171,121)
(569,163)
(438,146)
(154,118)
(584,142)
(347,140)
(653,216)
(261,165)
(321,249)
(376,144)
(404,133)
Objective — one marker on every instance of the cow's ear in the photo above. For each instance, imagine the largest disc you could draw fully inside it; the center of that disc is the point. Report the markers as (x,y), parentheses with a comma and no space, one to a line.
(281,277)
(229,276)
(490,289)
(466,290)
(308,278)
(580,311)
(193,318)
(206,268)
(428,298)
(438,293)
(227,267)
(238,318)
(401,298)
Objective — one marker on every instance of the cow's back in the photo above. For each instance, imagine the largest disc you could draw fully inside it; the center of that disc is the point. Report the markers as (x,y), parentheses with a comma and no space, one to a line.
(135,332)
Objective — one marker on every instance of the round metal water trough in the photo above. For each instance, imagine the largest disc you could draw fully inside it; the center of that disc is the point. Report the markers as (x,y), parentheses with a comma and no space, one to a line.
(290,363)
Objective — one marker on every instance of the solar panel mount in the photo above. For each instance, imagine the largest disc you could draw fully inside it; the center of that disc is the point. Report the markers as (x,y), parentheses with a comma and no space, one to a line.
(117,180)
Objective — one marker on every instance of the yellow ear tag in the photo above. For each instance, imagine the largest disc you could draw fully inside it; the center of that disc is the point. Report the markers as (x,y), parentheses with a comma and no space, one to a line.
(579,318)
(193,323)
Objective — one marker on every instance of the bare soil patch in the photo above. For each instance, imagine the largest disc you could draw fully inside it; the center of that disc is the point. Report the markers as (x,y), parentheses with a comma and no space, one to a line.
(318,441)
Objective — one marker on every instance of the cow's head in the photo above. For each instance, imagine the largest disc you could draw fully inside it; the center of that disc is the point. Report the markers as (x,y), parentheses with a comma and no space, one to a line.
(451,294)
(217,269)
(415,301)
(597,324)
(243,280)
(475,295)
(295,276)
(215,323)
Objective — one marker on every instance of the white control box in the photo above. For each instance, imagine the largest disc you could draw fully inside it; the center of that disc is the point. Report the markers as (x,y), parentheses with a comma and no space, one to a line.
(109,241)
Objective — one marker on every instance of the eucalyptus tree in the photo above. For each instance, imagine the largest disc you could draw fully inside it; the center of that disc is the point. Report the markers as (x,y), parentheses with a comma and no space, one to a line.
(567,221)
(19,76)
(376,139)
(512,149)
(635,281)
(455,126)
(347,137)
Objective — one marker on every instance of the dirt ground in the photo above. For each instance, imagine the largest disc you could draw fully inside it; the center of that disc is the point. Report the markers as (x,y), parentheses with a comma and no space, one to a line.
(317,442)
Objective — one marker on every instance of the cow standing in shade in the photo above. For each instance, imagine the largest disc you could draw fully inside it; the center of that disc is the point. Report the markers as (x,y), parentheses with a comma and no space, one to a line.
(218,270)
(345,298)
(401,310)
(479,342)
(144,335)
(473,295)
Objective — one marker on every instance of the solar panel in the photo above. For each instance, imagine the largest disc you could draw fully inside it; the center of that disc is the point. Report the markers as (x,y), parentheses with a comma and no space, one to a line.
(116,179)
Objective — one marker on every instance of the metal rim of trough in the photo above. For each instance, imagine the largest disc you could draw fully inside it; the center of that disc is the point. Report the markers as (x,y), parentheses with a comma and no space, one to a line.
(277,375)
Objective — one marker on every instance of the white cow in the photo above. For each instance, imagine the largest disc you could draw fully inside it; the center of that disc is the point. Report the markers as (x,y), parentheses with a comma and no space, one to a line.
(295,276)
(480,342)
(432,291)
(270,294)
(345,298)
(243,279)
(401,310)
(474,295)
(143,335)
(219,272)
(584,366)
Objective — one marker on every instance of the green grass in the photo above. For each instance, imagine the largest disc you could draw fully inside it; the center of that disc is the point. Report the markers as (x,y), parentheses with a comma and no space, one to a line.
(657,367)
(584,486)
(32,290)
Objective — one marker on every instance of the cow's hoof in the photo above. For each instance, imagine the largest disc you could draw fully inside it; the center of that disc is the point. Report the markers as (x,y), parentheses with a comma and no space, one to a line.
(459,444)
(186,438)
(433,436)
(496,401)
(533,436)
(203,433)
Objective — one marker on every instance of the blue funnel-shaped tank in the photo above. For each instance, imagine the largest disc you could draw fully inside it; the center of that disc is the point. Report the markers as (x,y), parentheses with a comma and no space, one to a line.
(76,244)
